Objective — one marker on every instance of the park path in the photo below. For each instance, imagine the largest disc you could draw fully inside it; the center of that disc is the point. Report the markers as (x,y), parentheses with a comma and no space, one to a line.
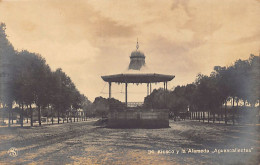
(84,143)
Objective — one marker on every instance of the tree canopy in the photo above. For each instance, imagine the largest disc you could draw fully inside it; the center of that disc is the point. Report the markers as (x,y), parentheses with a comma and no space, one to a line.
(239,82)
(27,79)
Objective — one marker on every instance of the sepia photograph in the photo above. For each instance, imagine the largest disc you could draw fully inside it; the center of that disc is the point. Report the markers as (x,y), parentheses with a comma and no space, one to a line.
(129,82)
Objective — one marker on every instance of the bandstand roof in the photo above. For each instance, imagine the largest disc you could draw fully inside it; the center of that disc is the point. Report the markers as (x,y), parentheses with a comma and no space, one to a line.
(137,78)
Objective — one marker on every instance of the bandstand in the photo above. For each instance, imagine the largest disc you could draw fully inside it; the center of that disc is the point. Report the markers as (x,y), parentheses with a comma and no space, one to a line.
(140,117)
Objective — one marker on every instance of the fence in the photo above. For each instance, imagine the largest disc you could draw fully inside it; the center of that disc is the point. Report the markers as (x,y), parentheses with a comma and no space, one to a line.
(236,115)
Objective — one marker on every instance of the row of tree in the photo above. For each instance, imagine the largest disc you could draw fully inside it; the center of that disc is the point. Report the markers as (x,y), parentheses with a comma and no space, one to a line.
(26,80)
(238,83)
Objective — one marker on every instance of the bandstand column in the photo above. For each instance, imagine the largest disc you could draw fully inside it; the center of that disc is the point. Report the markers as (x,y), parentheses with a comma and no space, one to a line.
(164,95)
(126,94)
(147,89)
(166,85)
(109,90)
(150,88)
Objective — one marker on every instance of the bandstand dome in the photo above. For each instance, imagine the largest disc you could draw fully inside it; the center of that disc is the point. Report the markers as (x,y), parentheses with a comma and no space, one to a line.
(137,72)
(137,60)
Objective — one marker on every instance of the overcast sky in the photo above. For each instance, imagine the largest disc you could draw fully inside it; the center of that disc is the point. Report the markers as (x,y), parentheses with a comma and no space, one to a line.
(88,39)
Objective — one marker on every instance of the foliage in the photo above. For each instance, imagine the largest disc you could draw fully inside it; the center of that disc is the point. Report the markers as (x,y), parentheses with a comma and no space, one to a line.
(101,105)
(239,81)
(26,79)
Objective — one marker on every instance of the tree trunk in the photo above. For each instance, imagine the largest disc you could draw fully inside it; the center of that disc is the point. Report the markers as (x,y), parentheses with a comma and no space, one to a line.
(39,115)
(19,108)
(225,112)
(27,113)
(3,113)
(77,116)
(221,112)
(81,117)
(219,118)
(203,116)
(58,116)
(48,113)
(21,115)
(74,117)
(51,115)
(12,117)
(237,113)
(31,115)
(27,116)
(208,116)
(9,117)
(233,109)
(244,108)
(199,116)
(9,113)
(214,116)
(63,117)
(67,115)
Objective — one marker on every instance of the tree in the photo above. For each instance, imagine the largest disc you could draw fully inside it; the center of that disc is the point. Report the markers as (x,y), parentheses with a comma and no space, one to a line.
(102,106)
(66,95)
(86,105)
(7,70)
(253,94)
(41,74)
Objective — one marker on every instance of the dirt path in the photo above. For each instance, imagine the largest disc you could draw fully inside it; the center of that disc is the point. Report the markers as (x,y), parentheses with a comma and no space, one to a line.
(83,143)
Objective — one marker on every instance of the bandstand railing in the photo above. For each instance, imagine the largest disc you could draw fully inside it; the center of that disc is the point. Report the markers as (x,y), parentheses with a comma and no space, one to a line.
(134,104)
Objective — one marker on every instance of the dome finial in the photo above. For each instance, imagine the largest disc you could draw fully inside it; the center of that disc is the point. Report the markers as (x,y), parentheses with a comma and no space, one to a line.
(137,45)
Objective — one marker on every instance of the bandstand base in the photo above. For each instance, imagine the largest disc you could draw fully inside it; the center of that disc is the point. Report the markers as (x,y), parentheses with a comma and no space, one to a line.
(138,118)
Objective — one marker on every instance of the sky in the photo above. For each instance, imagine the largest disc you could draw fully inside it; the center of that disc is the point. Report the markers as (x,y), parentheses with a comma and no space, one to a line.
(88,39)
